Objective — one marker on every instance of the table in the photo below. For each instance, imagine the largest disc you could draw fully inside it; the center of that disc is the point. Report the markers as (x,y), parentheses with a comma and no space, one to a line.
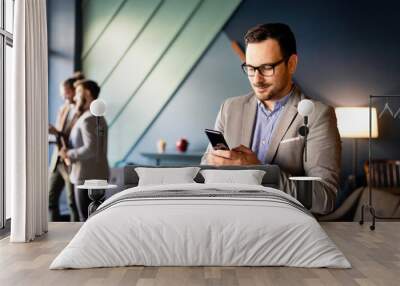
(182,157)
(96,195)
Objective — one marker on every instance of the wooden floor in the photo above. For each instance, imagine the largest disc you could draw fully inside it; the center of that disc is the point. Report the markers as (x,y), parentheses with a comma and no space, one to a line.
(375,257)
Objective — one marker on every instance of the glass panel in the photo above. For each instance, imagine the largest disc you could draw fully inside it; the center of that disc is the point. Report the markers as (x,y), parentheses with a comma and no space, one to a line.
(9,15)
(2,205)
(8,86)
(1,14)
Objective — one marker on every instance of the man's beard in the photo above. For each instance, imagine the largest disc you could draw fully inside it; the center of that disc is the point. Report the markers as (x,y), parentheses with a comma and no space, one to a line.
(275,90)
(268,96)
(81,105)
(262,85)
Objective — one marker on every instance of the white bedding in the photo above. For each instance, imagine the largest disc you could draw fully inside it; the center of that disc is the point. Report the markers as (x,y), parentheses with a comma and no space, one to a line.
(182,231)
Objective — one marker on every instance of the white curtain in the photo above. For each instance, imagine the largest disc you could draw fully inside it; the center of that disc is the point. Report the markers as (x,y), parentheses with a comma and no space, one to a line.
(27,123)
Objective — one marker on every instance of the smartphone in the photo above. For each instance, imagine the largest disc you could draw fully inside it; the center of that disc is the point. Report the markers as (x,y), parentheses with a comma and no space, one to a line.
(216,139)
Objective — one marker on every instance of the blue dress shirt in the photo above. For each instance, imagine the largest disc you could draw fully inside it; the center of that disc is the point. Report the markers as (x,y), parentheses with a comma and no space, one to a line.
(266,122)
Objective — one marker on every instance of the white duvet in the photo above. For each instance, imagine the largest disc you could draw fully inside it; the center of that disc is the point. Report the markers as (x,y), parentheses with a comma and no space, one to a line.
(200,231)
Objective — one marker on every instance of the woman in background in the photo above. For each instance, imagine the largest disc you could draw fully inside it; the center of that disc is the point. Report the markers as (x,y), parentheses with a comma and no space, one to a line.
(86,152)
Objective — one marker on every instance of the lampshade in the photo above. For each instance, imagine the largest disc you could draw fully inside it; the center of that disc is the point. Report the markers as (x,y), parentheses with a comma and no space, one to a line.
(98,107)
(305,107)
(353,122)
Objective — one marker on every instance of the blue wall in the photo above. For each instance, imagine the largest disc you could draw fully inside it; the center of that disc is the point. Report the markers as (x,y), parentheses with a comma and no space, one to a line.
(154,46)
(61,17)
(347,50)
(195,105)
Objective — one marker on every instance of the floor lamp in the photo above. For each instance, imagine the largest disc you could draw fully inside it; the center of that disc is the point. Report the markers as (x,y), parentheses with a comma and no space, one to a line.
(97,187)
(98,109)
(353,122)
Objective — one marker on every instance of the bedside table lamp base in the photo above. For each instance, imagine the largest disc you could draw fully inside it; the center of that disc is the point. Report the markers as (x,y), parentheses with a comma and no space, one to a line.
(97,197)
(96,194)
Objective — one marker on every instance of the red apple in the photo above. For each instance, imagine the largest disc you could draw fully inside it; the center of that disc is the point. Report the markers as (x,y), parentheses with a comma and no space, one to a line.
(182,144)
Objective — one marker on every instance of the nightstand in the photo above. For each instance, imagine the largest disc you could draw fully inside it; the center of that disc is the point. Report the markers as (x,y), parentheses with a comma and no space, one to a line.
(96,195)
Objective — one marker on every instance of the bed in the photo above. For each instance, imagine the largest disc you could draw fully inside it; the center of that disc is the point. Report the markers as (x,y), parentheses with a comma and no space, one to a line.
(202,224)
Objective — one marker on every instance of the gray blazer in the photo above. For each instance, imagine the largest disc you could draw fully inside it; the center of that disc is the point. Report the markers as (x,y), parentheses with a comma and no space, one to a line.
(86,163)
(236,119)
(63,125)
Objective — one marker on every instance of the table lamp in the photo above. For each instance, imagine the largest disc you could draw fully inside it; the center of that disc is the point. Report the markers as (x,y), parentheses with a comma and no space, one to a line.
(305,108)
(353,122)
(98,109)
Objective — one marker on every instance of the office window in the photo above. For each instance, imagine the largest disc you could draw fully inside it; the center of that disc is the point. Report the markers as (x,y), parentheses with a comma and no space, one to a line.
(9,19)
(8,70)
(6,43)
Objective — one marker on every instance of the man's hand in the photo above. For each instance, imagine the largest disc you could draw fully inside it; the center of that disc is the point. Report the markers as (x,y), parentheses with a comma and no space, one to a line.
(240,155)
(53,130)
(63,154)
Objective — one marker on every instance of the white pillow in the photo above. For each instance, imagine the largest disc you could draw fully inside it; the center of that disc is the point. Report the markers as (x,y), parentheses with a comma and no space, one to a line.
(248,177)
(164,176)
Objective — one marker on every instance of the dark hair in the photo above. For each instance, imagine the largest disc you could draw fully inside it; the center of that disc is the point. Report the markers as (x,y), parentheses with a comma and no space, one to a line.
(277,31)
(69,82)
(89,85)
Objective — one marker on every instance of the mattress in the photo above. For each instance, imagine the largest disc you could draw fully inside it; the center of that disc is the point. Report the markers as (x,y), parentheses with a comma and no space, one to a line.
(201,225)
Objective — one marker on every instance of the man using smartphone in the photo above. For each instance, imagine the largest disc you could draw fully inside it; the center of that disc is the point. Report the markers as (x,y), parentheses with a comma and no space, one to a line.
(263,126)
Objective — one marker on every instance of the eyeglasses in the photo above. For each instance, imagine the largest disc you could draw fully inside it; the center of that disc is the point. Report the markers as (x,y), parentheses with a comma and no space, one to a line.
(264,70)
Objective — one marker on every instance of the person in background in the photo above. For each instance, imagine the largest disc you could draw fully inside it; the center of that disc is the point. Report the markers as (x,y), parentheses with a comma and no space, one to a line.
(86,151)
(59,176)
